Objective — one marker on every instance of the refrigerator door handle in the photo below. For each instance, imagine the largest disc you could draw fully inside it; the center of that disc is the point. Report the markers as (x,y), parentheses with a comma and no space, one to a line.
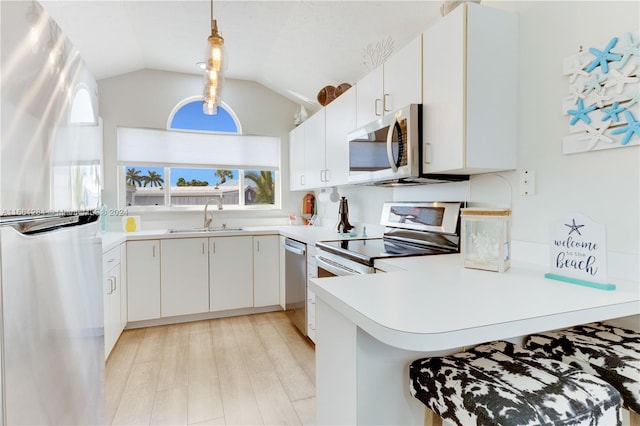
(46,223)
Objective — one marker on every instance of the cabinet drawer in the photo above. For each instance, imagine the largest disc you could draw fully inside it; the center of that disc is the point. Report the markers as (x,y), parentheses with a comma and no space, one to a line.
(110,259)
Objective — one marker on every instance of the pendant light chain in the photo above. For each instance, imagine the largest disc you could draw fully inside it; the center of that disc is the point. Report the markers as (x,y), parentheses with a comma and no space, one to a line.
(215,59)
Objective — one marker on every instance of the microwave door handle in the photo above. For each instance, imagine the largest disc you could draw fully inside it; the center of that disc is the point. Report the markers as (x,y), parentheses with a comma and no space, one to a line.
(392,161)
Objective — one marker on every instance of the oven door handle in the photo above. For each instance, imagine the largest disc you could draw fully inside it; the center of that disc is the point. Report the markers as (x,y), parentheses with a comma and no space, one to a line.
(334,267)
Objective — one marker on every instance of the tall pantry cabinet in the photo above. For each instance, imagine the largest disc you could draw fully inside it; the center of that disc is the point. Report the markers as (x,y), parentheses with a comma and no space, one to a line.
(469,91)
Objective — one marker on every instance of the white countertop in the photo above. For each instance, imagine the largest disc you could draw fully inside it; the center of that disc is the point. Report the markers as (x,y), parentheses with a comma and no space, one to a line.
(306,234)
(437,304)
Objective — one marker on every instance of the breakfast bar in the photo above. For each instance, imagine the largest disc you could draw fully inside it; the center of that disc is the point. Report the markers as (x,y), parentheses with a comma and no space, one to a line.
(370,327)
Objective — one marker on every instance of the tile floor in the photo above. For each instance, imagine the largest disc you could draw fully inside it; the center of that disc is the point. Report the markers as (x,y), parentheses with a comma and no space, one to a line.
(246,370)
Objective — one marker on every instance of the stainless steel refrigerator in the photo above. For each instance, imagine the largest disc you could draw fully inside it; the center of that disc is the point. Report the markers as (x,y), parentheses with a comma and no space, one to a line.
(51,307)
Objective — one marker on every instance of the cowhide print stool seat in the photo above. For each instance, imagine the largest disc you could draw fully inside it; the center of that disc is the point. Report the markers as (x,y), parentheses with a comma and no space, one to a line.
(500,383)
(612,353)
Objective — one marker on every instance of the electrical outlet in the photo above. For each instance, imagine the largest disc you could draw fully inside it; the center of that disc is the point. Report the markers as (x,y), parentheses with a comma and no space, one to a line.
(527,182)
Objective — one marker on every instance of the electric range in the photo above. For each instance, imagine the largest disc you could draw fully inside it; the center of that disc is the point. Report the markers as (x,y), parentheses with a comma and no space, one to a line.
(411,229)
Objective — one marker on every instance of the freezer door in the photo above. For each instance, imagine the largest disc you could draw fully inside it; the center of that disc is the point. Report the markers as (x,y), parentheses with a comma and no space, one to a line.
(52,314)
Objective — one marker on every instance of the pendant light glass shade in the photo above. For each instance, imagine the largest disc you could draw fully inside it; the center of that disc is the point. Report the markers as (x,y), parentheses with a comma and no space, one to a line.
(215,62)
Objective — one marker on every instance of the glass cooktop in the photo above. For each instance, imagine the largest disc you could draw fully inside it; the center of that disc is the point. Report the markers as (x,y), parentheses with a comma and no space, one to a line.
(367,251)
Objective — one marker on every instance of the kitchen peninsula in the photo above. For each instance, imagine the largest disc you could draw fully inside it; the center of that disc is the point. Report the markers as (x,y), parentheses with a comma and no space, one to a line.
(369,328)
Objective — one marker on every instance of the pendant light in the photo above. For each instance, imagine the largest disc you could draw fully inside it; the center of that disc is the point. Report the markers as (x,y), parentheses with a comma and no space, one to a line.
(214,65)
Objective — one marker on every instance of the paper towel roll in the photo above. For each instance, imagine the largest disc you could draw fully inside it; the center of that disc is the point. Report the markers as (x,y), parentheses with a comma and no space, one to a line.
(329,196)
(324,197)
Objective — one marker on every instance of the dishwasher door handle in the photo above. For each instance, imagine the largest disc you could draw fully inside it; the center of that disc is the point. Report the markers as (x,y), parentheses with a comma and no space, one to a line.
(294,250)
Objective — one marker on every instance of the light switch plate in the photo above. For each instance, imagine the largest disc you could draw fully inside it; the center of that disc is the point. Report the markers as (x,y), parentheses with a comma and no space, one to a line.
(527,182)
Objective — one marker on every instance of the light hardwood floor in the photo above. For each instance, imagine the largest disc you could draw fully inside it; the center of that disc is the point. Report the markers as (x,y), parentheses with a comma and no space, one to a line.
(246,370)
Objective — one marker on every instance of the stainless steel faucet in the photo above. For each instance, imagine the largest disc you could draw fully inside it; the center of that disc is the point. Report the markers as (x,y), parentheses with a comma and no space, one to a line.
(209,217)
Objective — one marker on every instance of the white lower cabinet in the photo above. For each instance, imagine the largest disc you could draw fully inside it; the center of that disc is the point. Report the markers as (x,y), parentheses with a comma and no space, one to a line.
(230,273)
(266,270)
(184,272)
(114,297)
(184,276)
(143,279)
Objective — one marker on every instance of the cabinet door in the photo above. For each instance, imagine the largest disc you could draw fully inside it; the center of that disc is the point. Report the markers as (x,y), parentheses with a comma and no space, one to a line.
(184,276)
(340,119)
(403,77)
(369,97)
(230,273)
(314,164)
(283,281)
(123,287)
(443,95)
(143,280)
(266,270)
(296,158)
(111,267)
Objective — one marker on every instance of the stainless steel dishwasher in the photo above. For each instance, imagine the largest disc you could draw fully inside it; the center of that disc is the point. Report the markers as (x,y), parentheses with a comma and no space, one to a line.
(296,283)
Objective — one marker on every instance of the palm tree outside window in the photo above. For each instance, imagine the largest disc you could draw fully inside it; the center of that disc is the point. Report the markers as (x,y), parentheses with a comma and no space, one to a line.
(193,186)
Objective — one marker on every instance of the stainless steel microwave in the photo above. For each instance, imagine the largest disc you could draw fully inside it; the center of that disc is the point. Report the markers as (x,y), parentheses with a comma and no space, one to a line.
(389,151)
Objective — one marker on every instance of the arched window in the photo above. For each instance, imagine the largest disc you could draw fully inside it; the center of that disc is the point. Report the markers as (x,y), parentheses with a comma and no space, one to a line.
(188,115)
(173,168)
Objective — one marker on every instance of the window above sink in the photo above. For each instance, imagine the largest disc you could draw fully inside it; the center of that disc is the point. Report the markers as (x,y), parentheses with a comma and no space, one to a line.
(174,170)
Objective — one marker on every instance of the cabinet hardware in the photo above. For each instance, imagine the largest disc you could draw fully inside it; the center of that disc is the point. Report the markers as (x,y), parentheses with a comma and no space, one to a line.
(375,107)
(115,285)
(258,245)
(327,175)
(301,179)
(385,103)
(202,248)
(154,250)
(427,153)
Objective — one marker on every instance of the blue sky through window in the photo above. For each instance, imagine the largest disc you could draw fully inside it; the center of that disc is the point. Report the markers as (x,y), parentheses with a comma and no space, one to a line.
(191,117)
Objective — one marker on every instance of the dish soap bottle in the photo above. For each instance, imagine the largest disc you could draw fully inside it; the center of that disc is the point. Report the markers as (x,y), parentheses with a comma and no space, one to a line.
(131,224)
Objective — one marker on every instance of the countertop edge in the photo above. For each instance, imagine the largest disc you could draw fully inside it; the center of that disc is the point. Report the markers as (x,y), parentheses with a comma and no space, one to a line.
(450,339)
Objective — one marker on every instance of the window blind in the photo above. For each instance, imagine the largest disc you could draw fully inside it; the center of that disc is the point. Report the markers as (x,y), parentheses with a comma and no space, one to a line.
(153,147)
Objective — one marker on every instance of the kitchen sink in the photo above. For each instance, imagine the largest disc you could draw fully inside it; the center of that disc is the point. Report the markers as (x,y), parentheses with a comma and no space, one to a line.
(205,230)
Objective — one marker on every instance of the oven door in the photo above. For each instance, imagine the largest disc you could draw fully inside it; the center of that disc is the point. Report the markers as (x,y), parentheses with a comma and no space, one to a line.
(332,265)
(387,148)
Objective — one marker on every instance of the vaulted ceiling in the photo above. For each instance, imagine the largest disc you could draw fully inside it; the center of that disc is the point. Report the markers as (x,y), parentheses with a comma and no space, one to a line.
(293,47)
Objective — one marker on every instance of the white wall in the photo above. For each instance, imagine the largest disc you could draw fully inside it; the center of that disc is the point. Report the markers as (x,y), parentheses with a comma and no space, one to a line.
(146,99)
(604,185)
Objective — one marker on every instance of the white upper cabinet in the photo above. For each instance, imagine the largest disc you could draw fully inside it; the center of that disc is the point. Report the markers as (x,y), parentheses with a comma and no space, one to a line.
(319,148)
(314,155)
(369,95)
(403,77)
(469,91)
(340,120)
(296,159)
(393,85)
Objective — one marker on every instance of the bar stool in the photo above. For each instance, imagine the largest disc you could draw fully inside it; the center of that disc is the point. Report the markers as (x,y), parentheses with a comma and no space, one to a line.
(500,383)
(611,353)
